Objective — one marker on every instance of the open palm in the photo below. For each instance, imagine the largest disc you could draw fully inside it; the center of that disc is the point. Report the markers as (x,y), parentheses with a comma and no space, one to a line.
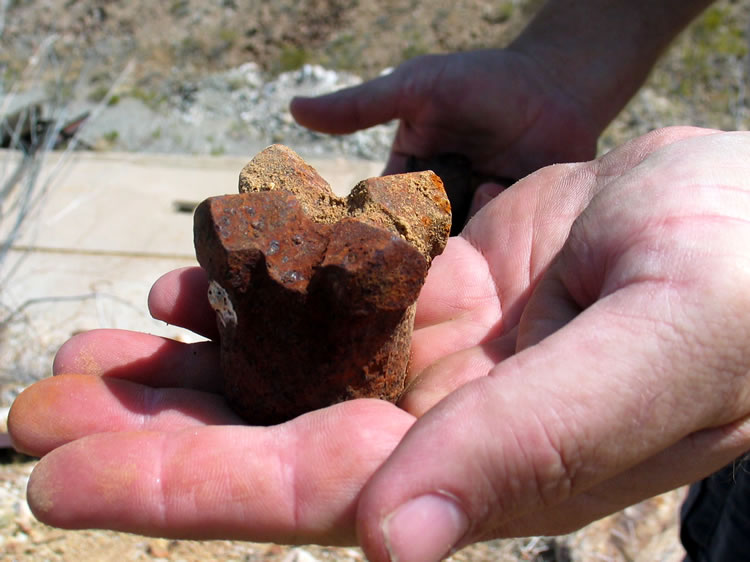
(559,345)
(137,437)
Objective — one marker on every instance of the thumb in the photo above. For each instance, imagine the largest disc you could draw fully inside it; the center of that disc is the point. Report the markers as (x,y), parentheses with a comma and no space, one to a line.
(501,453)
(471,463)
(350,109)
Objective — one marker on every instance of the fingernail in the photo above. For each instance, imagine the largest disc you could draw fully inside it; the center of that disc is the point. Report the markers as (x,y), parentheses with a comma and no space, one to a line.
(425,528)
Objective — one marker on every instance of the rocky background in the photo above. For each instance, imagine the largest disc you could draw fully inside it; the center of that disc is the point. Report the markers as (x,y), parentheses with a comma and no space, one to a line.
(216,78)
(185,76)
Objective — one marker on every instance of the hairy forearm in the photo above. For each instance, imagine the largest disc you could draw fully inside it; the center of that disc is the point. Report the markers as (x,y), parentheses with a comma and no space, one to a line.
(600,52)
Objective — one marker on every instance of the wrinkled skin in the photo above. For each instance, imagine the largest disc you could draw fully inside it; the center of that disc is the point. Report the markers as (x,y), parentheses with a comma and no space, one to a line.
(583,345)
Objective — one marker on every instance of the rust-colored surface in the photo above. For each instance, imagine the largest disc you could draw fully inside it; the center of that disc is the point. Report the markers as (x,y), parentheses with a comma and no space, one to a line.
(315,294)
(460,179)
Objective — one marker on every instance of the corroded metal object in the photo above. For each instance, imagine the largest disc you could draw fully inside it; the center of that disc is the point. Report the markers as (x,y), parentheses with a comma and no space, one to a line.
(315,294)
(460,180)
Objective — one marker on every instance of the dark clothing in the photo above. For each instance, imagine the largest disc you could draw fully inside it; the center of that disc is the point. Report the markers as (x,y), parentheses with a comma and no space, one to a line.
(716,516)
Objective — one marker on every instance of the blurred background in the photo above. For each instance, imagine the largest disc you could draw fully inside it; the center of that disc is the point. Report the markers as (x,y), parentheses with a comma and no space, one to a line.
(106,83)
(215,77)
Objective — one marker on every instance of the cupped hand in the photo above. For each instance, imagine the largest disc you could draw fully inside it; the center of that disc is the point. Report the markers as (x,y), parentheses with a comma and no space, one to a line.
(630,374)
(135,435)
(581,346)
(499,108)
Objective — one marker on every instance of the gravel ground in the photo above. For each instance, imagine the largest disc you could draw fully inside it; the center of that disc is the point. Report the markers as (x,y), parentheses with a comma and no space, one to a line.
(233,112)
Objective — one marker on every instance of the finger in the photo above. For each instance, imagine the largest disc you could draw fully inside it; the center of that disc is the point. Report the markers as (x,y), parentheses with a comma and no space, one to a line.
(44,417)
(458,284)
(629,155)
(697,455)
(485,193)
(529,439)
(426,387)
(521,230)
(350,109)
(475,290)
(504,250)
(180,298)
(293,483)
(550,308)
(142,358)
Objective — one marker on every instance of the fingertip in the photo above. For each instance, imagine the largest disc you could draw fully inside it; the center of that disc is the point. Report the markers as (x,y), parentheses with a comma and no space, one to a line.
(39,422)
(428,527)
(29,418)
(179,297)
(42,491)
(350,109)
(159,296)
(77,356)
(165,292)
(424,528)
(299,103)
(316,113)
(59,492)
(18,423)
(297,107)
(93,482)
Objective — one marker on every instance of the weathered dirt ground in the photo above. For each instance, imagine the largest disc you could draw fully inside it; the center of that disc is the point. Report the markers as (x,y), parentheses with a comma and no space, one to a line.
(701,81)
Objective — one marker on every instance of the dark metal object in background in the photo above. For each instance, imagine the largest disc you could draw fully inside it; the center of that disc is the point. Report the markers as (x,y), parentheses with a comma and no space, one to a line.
(460,180)
(28,130)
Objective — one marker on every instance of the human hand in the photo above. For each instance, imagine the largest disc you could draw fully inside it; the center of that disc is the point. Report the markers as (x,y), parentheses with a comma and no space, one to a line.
(470,323)
(135,435)
(629,375)
(499,108)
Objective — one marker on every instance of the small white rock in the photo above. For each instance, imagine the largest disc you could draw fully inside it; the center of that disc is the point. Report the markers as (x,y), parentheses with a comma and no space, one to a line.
(299,555)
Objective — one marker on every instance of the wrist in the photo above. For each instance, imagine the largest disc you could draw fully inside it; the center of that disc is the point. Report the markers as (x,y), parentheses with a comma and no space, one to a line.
(599,56)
